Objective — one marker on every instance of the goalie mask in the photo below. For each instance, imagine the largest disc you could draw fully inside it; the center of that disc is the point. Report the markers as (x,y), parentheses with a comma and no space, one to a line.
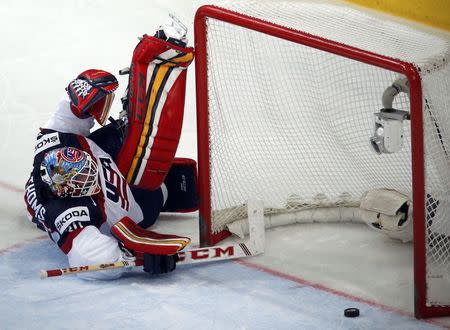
(92,93)
(70,172)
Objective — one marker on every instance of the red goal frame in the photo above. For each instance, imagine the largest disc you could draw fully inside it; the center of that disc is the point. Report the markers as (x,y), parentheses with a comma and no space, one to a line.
(208,238)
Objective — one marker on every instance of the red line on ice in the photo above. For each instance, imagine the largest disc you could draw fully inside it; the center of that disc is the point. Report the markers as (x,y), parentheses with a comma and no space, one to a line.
(10,187)
(22,244)
(324,288)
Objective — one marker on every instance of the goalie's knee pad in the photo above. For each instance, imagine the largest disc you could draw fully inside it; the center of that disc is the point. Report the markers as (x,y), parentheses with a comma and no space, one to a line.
(181,184)
(156,95)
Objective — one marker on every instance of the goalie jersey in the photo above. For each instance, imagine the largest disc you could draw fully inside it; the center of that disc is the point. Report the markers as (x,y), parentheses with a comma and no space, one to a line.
(64,218)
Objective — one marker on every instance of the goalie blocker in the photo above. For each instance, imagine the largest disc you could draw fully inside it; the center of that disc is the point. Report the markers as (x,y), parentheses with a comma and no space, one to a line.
(141,241)
(156,252)
(155,107)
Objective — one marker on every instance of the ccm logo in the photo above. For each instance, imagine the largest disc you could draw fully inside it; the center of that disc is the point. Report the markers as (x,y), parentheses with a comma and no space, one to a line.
(206,253)
(75,269)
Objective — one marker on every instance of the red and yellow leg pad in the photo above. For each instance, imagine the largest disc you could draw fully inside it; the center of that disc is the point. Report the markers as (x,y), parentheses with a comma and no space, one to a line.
(157,89)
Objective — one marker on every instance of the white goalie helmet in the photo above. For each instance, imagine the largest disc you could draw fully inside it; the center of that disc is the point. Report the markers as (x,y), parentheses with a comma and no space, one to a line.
(389,212)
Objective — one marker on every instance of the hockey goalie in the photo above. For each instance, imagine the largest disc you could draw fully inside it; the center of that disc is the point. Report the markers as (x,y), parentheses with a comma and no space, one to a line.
(96,193)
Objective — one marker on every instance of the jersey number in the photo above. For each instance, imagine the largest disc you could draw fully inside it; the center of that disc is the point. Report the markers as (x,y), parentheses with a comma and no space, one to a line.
(116,185)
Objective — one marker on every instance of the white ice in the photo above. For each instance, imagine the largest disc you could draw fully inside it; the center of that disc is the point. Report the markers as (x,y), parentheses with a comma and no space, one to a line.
(307,277)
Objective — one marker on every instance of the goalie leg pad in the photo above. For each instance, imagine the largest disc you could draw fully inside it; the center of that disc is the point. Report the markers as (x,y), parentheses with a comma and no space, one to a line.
(157,90)
(141,241)
(181,183)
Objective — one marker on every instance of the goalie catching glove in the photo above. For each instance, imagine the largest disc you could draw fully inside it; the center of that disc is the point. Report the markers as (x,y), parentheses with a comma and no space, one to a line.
(157,251)
(91,94)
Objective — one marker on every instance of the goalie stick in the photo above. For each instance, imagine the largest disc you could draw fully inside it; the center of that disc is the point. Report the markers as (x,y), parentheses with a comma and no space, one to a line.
(253,246)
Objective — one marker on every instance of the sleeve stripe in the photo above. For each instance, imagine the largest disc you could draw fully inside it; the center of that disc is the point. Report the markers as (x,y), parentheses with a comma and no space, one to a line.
(182,242)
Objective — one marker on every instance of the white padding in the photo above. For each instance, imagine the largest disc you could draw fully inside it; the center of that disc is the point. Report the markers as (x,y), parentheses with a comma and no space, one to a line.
(325,214)
(384,201)
(381,209)
(91,247)
(64,121)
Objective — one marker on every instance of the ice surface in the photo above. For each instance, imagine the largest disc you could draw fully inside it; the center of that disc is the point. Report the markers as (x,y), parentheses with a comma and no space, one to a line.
(225,295)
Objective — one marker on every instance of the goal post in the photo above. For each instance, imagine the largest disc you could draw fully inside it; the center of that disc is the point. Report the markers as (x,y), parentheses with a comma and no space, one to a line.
(286,97)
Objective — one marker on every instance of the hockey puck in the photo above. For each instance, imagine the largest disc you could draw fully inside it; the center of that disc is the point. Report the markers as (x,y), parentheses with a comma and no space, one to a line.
(351,312)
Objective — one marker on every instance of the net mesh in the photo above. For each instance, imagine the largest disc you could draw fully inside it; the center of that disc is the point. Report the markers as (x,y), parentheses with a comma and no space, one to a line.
(290,124)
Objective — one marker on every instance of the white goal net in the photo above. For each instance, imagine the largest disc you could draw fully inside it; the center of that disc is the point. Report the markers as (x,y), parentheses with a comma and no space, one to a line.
(289,118)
